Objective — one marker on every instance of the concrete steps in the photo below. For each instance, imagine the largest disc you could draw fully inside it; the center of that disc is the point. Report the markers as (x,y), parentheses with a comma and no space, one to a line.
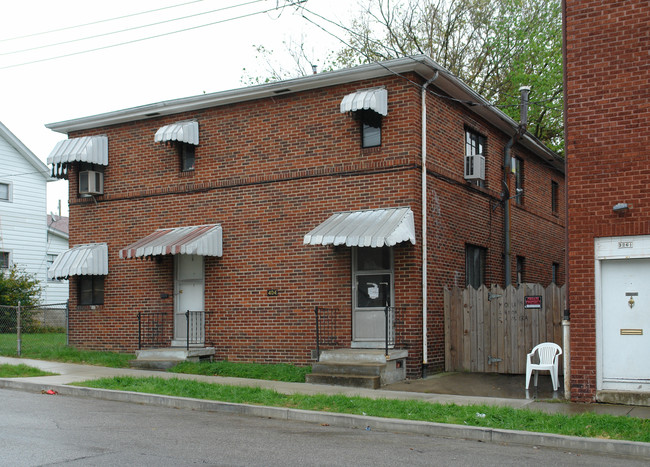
(163,359)
(363,368)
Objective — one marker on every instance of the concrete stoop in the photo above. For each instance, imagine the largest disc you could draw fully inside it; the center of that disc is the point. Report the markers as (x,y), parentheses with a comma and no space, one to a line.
(363,368)
(163,359)
(623,397)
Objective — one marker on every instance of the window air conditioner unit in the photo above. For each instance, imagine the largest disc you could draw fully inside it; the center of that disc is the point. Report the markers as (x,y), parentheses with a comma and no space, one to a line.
(91,183)
(475,167)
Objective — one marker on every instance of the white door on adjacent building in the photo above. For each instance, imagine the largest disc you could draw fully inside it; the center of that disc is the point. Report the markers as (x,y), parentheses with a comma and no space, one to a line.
(625,331)
(189,293)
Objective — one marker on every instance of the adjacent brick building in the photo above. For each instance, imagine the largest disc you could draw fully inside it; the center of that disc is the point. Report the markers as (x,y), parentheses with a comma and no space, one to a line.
(607,89)
(299,194)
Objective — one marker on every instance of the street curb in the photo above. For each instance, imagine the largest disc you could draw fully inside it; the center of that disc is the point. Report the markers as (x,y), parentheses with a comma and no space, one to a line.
(631,449)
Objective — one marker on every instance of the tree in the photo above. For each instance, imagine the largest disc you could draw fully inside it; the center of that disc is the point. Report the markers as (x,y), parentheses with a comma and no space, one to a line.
(17,286)
(495,46)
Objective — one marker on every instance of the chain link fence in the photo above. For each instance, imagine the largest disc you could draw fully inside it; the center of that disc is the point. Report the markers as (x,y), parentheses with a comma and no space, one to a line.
(33,331)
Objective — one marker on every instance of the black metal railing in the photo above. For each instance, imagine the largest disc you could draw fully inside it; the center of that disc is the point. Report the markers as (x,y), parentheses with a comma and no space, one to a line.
(154,328)
(195,328)
(326,328)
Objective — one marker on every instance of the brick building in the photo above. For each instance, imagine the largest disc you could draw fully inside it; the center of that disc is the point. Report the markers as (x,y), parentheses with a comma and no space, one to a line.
(607,77)
(259,204)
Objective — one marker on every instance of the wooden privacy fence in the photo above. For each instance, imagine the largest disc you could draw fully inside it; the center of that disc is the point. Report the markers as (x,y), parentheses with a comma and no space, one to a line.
(490,330)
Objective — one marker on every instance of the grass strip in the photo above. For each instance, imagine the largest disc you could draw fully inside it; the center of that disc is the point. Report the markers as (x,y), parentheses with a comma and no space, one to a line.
(273,372)
(586,425)
(21,371)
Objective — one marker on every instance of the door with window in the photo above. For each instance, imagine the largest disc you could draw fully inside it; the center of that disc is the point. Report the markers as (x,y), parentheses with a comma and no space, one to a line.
(189,294)
(372,291)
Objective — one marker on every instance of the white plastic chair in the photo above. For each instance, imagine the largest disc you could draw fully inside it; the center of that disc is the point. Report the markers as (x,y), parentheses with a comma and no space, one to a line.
(548,353)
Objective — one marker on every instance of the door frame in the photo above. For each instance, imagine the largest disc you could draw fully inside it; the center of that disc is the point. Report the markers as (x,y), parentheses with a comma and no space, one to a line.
(177,340)
(380,342)
(614,248)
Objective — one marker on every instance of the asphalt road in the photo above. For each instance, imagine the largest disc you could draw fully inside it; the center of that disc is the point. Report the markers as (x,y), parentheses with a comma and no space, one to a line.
(40,429)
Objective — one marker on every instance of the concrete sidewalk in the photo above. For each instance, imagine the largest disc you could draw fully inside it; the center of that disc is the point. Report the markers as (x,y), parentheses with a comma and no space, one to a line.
(69,373)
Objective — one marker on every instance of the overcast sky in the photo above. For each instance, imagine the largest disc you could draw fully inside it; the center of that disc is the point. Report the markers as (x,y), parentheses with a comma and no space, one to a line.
(37,88)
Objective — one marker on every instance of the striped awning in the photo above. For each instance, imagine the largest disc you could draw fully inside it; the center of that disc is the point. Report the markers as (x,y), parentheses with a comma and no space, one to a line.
(203,240)
(81,260)
(370,99)
(373,228)
(184,132)
(90,149)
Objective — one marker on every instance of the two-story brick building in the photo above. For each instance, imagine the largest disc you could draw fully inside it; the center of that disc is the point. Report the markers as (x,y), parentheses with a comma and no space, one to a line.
(607,76)
(259,204)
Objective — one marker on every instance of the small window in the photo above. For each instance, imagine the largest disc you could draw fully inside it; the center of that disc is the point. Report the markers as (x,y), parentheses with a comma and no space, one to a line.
(518,171)
(50,261)
(521,262)
(187,156)
(474,266)
(555,269)
(370,128)
(475,144)
(91,290)
(4,260)
(5,192)
(554,196)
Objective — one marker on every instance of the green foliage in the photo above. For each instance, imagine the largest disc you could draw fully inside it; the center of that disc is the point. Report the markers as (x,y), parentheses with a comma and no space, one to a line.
(274,372)
(18,286)
(585,425)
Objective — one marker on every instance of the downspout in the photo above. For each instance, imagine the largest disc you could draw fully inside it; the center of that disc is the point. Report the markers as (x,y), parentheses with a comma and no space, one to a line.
(425,350)
(524,90)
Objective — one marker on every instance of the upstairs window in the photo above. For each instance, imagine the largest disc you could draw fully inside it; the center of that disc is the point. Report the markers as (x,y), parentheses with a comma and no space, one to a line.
(368,107)
(186,152)
(474,158)
(5,192)
(555,270)
(370,128)
(185,136)
(474,266)
(555,189)
(517,167)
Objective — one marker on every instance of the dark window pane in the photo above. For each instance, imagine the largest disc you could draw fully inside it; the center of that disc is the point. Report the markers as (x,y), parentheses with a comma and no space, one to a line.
(474,266)
(373,259)
(187,157)
(373,290)
(371,136)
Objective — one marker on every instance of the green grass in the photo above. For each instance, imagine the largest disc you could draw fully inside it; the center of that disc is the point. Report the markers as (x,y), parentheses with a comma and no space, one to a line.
(52,347)
(584,425)
(21,371)
(274,372)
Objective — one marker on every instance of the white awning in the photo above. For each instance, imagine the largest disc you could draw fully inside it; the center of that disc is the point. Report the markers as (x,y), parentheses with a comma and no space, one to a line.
(373,228)
(81,260)
(185,132)
(90,149)
(370,99)
(203,240)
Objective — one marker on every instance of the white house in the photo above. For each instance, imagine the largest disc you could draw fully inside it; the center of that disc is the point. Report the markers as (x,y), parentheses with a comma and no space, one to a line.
(56,291)
(23,209)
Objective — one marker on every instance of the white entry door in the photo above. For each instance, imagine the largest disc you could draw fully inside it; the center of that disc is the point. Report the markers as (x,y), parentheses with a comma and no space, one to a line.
(372,291)
(625,331)
(189,293)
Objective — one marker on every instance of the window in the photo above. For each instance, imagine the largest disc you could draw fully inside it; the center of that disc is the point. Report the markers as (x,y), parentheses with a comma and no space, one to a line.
(187,156)
(554,196)
(520,269)
(91,290)
(50,261)
(474,266)
(5,192)
(475,144)
(370,128)
(373,274)
(4,260)
(518,171)
(555,269)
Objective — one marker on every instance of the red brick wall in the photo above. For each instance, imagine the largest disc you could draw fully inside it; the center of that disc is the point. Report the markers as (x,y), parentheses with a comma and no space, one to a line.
(271,170)
(607,89)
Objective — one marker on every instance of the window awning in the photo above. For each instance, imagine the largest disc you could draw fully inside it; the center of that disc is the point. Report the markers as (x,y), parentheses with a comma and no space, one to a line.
(370,99)
(373,228)
(91,149)
(185,132)
(81,260)
(203,240)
